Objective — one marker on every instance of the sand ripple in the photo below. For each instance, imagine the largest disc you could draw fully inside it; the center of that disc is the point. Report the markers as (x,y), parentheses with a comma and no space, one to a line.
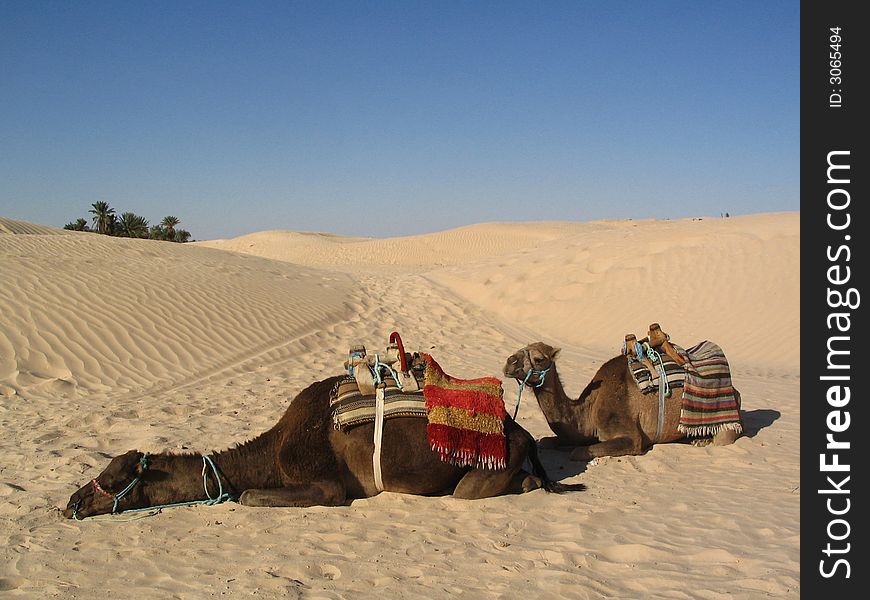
(109,344)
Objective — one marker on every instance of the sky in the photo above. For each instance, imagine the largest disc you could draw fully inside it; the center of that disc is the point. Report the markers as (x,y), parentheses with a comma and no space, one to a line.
(387,118)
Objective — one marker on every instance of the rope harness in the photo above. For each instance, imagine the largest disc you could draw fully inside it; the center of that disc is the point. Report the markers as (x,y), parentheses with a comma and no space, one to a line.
(207,463)
(645,350)
(541,373)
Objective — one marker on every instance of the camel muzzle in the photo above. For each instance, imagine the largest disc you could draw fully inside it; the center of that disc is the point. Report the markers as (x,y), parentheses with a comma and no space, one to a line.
(514,368)
(77,501)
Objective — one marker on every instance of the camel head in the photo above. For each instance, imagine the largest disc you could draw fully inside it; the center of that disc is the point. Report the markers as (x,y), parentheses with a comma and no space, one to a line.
(119,487)
(529,364)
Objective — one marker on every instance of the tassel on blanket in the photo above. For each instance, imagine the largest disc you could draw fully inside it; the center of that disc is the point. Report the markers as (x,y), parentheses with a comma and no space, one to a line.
(466,418)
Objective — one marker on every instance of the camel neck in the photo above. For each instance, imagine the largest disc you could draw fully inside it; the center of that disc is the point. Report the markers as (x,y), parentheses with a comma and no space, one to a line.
(248,466)
(565,415)
(233,472)
(181,478)
(552,392)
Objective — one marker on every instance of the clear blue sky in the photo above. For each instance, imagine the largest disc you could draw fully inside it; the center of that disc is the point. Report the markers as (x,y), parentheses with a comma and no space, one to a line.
(394,118)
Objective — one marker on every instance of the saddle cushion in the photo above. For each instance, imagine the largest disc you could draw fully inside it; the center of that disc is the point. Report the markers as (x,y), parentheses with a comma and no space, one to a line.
(351,407)
(649,383)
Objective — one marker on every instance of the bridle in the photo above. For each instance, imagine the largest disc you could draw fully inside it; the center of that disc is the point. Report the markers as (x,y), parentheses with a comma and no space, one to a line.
(540,373)
(116,498)
(208,466)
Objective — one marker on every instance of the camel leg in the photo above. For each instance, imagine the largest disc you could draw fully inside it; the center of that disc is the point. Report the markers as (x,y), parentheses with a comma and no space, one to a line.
(725,437)
(483,483)
(553,442)
(318,493)
(486,483)
(619,446)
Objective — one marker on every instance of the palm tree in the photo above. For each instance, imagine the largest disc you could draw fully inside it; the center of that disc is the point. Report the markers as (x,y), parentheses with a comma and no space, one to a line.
(182,236)
(104,217)
(132,225)
(77,225)
(157,233)
(169,223)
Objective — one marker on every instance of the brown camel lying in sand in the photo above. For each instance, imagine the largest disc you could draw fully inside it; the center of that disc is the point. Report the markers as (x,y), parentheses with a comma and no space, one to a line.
(304,461)
(611,417)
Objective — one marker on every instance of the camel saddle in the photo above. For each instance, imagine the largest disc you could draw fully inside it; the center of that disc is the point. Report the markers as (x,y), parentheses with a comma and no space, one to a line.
(369,370)
(647,358)
(393,379)
(709,403)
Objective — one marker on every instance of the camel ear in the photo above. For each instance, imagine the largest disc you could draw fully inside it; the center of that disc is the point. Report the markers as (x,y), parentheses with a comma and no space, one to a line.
(141,462)
(555,353)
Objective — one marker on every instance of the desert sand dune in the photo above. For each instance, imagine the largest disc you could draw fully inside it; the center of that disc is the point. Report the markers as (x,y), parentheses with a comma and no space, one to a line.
(456,246)
(109,344)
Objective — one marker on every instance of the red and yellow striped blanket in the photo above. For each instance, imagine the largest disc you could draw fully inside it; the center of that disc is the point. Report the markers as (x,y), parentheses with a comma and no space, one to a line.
(466,418)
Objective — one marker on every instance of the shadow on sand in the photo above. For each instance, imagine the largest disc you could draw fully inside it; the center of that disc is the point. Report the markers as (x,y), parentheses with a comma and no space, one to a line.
(559,466)
(756,420)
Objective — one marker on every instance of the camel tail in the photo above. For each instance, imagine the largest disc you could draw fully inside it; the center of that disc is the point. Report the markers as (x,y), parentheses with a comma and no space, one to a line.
(538,468)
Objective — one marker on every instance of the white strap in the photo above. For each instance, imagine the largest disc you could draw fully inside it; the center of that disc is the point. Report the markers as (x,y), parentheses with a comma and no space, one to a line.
(663,379)
(379,437)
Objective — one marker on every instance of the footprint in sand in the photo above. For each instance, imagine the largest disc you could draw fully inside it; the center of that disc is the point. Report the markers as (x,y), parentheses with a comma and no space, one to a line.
(10,583)
(330,572)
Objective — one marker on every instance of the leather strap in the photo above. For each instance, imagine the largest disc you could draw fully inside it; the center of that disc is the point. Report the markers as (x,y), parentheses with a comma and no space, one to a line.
(378,438)
(661,423)
(672,352)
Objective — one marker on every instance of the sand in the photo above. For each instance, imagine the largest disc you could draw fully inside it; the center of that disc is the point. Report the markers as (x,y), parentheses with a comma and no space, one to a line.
(111,344)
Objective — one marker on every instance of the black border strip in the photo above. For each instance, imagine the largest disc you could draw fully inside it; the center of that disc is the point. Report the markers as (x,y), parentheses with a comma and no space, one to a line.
(834,226)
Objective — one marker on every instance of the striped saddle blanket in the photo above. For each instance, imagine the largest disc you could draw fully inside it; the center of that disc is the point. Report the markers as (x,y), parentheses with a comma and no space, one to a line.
(648,383)
(350,407)
(709,400)
(466,418)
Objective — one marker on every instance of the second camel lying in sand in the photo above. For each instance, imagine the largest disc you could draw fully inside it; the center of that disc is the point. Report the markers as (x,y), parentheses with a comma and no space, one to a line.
(612,417)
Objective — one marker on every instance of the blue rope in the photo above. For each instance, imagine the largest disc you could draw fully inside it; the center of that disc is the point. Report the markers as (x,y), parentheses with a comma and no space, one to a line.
(222,496)
(395,375)
(663,376)
(532,371)
(519,396)
(210,500)
(664,388)
(378,376)
(143,462)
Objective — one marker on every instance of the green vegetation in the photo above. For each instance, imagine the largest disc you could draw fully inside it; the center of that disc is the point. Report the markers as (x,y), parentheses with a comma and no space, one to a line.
(105,221)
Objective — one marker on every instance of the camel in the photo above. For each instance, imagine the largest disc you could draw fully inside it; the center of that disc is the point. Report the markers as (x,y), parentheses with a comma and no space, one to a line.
(611,417)
(304,461)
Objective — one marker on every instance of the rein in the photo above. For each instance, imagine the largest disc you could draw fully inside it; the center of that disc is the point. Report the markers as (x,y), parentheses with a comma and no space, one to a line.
(207,463)
(542,375)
